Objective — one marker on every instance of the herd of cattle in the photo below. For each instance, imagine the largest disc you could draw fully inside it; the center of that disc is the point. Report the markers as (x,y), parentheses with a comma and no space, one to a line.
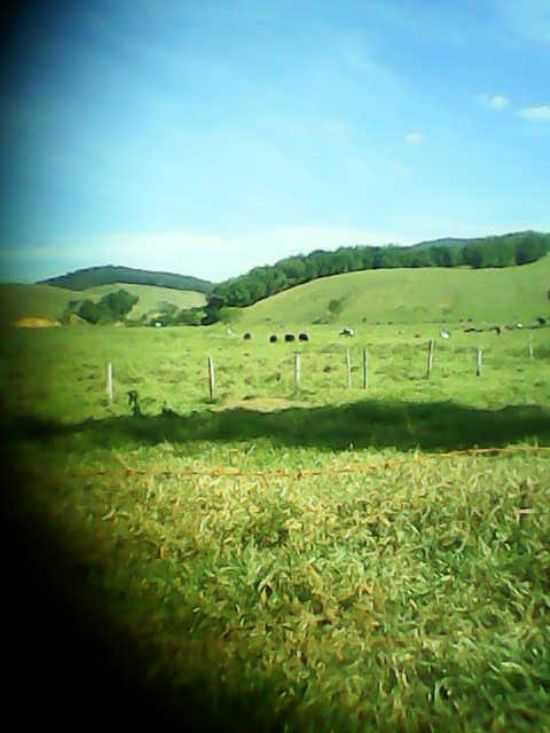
(289,337)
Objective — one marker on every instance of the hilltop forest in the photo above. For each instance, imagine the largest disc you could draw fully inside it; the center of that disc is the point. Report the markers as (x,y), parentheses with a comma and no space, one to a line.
(91,277)
(261,282)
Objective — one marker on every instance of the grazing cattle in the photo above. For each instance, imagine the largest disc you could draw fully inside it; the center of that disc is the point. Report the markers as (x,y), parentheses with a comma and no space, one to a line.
(290,337)
(497,330)
(519,325)
(273,339)
(303,337)
(444,334)
(247,336)
(346,332)
(541,321)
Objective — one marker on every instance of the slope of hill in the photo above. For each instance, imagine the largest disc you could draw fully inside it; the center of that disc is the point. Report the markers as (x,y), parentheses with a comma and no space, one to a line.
(150,298)
(32,301)
(45,301)
(412,295)
(92,277)
(501,251)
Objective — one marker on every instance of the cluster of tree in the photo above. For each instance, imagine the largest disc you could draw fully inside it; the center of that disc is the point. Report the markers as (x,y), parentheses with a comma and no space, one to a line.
(261,282)
(112,307)
(171,315)
(92,277)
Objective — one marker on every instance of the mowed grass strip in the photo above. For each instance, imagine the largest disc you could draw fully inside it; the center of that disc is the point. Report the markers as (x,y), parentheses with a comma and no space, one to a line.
(413,598)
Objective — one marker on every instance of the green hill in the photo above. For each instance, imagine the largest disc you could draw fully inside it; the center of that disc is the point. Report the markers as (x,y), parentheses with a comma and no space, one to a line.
(45,301)
(412,296)
(92,277)
(150,298)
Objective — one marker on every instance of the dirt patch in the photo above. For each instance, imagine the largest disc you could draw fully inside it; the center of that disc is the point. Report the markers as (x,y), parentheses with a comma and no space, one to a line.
(35,322)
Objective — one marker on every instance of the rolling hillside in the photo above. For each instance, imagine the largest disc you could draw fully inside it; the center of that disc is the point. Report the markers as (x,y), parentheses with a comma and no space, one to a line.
(150,297)
(45,301)
(413,295)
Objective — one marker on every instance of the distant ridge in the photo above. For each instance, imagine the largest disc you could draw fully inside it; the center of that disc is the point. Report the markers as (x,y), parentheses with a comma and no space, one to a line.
(91,277)
(463,242)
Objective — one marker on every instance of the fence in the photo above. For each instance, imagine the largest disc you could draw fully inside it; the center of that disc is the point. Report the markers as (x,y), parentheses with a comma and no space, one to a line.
(299,363)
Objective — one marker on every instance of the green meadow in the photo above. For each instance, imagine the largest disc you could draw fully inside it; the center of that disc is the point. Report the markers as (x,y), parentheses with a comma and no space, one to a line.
(306,556)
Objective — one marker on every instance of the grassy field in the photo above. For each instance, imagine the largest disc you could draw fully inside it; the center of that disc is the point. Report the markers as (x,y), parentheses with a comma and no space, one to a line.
(415,296)
(288,559)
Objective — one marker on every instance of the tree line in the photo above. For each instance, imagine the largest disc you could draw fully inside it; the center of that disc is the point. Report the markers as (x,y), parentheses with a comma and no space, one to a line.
(261,282)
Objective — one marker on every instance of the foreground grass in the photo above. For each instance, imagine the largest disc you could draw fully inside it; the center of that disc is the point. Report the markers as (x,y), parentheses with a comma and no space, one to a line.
(358,590)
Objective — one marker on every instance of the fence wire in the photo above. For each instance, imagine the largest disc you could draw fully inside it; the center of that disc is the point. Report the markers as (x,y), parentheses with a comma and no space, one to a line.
(300,473)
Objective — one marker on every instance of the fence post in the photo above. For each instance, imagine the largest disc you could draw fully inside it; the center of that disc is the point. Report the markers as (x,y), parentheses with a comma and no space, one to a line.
(430,358)
(348,365)
(211,378)
(478,362)
(297,370)
(365,368)
(109,382)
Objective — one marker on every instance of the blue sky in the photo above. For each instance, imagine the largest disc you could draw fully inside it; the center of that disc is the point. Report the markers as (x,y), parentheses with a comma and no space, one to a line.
(209,137)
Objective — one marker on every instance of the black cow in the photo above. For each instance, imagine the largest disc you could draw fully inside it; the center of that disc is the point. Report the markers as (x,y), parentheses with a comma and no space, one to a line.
(541,321)
(346,332)
(303,337)
(273,339)
(290,337)
(247,336)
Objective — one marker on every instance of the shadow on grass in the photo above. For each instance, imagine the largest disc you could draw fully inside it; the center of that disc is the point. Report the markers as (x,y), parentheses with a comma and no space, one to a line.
(70,658)
(439,426)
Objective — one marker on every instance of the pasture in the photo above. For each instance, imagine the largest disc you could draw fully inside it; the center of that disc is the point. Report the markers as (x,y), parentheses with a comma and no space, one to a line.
(299,558)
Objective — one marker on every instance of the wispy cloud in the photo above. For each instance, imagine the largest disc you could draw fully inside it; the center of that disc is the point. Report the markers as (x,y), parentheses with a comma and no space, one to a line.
(211,256)
(414,138)
(540,113)
(494,101)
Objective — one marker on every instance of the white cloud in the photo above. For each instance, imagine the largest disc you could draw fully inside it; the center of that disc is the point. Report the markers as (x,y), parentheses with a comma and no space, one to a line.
(414,138)
(494,101)
(536,114)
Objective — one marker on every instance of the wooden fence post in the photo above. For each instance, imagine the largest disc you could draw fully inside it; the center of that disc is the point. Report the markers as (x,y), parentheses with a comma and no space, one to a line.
(478,361)
(297,370)
(109,382)
(430,358)
(365,368)
(211,378)
(348,365)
